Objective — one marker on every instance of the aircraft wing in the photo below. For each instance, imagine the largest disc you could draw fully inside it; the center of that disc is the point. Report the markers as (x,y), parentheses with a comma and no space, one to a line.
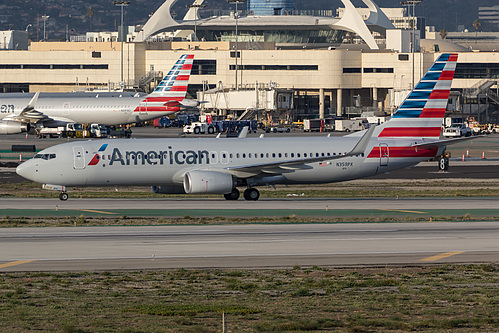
(441,143)
(298,164)
(29,114)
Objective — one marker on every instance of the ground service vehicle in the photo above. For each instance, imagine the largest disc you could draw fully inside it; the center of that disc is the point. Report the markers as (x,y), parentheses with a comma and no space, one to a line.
(456,130)
(71,130)
(199,128)
(347,125)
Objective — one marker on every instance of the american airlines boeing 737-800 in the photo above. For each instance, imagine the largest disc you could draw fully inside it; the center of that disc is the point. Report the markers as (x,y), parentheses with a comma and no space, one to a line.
(18,113)
(221,165)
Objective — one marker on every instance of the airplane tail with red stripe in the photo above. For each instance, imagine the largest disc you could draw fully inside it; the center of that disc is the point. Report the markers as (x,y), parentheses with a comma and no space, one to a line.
(169,94)
(422,112)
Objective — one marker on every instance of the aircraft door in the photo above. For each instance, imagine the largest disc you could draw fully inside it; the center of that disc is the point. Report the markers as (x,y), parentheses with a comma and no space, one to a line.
(383,154)
(79,158)
(66,108)
(213,157)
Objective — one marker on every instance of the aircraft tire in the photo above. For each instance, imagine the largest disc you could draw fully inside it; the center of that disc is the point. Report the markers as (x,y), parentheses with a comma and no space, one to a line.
(251,194)
(63,196)
(234,195)
(211,130)
(197,130)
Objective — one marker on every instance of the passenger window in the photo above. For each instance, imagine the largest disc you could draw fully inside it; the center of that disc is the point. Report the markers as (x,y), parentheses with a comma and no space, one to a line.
(280,155)
(273,155)
(244,155)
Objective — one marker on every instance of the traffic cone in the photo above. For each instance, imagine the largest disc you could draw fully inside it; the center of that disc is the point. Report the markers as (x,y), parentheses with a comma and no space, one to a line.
(467,153)
(463,157)
(483,154)
(26,135)
(20,157)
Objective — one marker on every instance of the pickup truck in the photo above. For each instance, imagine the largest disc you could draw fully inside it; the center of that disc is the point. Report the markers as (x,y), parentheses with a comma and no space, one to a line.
(457,130)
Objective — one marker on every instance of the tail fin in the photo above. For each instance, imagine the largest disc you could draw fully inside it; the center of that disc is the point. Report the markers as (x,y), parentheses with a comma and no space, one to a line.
(172,89)
(422,112)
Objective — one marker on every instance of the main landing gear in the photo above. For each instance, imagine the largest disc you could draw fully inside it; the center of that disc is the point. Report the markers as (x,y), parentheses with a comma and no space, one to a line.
(63,196)
(250,194)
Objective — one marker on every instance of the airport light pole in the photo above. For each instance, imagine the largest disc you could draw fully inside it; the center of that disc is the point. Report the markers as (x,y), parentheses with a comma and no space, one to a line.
(413,37)
(45,18)
(236,15)
(196,7)
(121,32)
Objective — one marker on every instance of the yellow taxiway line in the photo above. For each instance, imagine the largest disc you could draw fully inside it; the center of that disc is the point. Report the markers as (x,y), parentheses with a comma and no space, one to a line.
(97,211)
(441,256)
(404,211)
(14,263)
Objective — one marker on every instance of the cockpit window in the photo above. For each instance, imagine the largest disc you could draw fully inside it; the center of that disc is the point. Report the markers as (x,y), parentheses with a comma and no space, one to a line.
(45,156)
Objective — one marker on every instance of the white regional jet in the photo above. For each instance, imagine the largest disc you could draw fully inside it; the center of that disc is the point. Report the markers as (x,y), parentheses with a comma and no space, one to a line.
(220,165)
(17,115)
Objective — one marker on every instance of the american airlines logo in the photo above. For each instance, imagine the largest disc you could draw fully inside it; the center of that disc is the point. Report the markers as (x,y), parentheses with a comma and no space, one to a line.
(159,157)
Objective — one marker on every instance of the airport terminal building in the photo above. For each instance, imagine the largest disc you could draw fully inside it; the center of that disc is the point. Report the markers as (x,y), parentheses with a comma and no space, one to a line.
(344,79)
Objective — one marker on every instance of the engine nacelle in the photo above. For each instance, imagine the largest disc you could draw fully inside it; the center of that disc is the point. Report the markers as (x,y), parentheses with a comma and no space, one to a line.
(208,182)
(168,189)
(13,127)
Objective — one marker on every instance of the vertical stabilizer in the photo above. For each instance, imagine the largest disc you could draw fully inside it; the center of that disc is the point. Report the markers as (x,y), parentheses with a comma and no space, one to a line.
(422,112)
(172,89)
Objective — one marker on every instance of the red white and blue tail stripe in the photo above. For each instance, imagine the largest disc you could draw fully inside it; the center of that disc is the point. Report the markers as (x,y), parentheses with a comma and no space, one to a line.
(172,89)
(421,114)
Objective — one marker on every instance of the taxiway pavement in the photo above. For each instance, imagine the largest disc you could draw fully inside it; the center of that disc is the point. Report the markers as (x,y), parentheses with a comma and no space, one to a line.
(246,246)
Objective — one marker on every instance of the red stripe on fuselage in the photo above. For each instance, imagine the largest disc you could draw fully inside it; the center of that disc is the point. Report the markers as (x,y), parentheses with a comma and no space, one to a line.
(186,67)
(163,99)
(394,152)
(410,132)
(156,108)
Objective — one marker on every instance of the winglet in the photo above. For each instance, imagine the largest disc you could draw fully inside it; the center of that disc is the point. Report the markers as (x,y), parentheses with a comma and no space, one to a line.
(361,146)
(31,105)
(244,133)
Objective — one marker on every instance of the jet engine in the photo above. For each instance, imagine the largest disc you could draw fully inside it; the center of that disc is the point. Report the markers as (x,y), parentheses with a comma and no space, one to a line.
(168,189)
(204,182)
(13,127)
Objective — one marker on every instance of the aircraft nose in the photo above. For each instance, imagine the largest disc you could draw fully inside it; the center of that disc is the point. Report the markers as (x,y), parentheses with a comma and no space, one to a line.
(25,170)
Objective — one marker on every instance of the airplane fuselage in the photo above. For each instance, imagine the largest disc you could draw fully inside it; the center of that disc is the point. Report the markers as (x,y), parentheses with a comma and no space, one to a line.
(115,110)
(159,162)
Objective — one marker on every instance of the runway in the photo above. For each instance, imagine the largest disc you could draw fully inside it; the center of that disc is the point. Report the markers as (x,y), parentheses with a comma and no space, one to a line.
(298,206)
(246,246)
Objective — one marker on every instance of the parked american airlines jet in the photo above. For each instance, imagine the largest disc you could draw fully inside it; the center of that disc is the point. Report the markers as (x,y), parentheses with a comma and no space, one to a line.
(17,115)
(219,166)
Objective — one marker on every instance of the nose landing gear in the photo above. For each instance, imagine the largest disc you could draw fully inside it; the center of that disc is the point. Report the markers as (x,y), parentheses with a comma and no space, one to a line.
(63,196)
